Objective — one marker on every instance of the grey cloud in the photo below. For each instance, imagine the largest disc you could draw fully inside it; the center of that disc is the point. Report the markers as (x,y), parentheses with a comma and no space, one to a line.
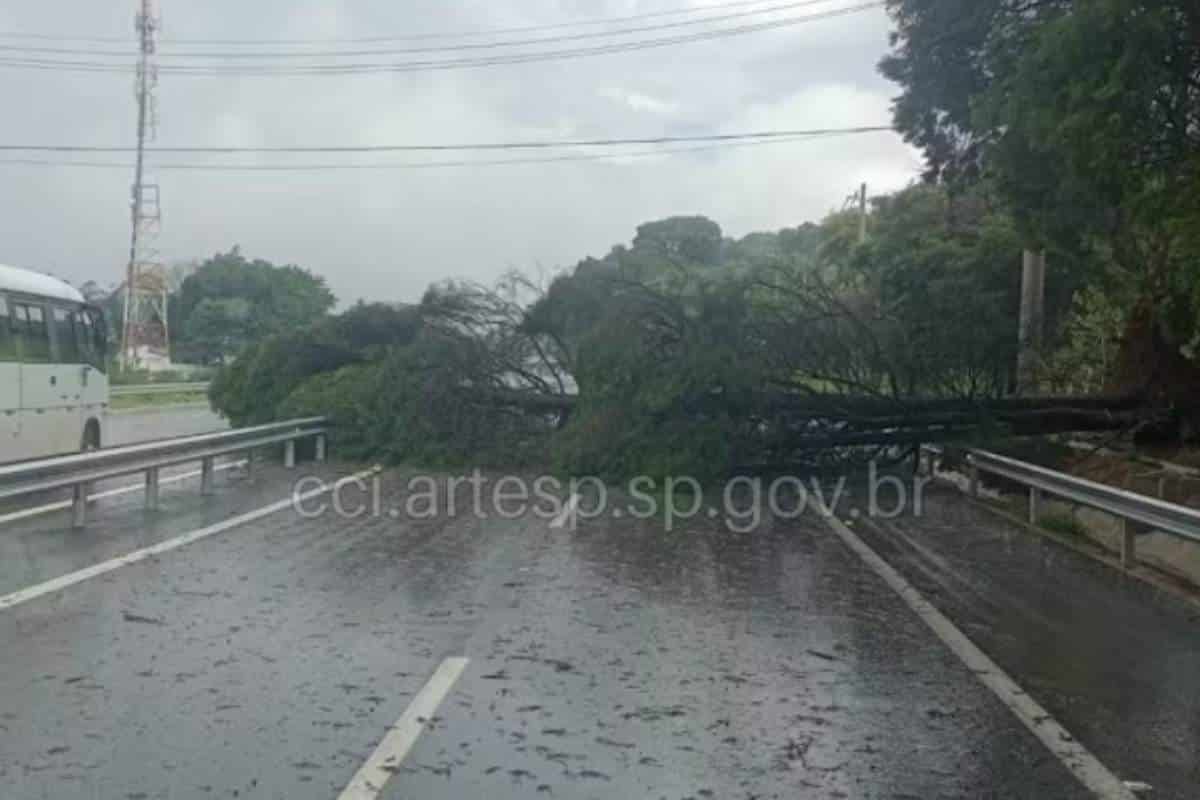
(387,234)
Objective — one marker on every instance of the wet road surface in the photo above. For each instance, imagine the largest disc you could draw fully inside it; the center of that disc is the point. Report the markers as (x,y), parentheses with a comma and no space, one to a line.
(1115,660)
(610,661)
(160,422)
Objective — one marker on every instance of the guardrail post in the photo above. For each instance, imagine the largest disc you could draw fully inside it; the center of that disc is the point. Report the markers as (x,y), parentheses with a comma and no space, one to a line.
(249,464)
(1035,500)
(152,489)
(79,505)
(320,448)
(206,476)
(289,454)
(1128,545)
(974,479)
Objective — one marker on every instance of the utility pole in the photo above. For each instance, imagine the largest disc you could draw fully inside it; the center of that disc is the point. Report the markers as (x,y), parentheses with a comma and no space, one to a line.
(862,214)
(1032,326)
(145,319)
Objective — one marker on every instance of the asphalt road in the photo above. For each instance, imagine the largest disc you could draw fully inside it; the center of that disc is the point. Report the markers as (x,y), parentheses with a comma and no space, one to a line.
(1113,659)
(160,422)
(614,660)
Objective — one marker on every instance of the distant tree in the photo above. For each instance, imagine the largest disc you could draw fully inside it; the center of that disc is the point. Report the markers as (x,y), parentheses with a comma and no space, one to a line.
(217,327)
(229,302)
(680,240)
(178,272)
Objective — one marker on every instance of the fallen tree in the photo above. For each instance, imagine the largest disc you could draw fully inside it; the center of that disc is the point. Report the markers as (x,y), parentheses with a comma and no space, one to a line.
(639,364)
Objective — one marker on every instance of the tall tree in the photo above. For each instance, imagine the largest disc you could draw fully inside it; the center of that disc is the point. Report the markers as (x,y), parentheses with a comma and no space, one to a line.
(1086,117)
(229,302)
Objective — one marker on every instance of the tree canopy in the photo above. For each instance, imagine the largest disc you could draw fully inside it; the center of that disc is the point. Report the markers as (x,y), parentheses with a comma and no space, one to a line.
(229,302)
(1085,119)
(673,355)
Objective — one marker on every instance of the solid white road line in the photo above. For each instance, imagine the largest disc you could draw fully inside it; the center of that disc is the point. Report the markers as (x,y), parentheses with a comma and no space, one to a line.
(139,487)
(371,779)
(58,584)
(1073,755)
(567,518)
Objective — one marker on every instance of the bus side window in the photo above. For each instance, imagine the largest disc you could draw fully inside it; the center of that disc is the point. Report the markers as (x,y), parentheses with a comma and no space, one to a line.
(33,333)
(8,340)
(66,347)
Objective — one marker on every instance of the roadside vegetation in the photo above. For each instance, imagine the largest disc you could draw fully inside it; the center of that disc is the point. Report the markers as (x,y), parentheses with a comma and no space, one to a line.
(144,377)
(1072,129)
(130,402)
(1064,525)
(220,306)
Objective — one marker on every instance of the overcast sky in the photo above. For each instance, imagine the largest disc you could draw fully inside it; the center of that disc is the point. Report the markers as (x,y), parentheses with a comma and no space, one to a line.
(385,235)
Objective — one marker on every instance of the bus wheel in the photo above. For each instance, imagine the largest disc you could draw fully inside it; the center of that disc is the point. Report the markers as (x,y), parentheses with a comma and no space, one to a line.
(91,437)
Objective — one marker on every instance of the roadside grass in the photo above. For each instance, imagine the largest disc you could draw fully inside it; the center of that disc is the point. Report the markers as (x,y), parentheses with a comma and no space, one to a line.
(1063,524)
(129,402)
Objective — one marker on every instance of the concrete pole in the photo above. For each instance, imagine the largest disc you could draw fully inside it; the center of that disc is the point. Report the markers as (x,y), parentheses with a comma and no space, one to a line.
(1032,326)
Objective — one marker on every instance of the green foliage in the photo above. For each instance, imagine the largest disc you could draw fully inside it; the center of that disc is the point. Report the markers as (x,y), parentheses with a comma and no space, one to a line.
(680,240)
(251,389)
(346,397)
(1091,341)
(229,302)
(670,357)
(637,417)
(217,327)
(1086,118)
(925,307)
(406,407)
(1064,524)
(944,271)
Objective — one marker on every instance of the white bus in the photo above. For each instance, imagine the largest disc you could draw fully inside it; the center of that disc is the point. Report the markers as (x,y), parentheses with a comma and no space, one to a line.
(53,386)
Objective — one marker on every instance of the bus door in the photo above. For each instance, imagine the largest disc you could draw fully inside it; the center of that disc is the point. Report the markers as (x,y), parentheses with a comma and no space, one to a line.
(71,369)
(91,346)
(10,389)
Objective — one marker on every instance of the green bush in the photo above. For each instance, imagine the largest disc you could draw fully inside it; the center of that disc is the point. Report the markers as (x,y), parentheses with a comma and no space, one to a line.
(252,389)
(1064,524)
(411,406)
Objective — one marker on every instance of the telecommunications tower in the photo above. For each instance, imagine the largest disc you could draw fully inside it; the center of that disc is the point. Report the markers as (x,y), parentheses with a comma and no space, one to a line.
(145,338)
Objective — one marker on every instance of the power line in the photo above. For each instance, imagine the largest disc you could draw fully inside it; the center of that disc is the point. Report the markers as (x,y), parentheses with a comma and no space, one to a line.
(477,146)
(436,65)
(415,165)
(473,34)
(54,37)
(772,9)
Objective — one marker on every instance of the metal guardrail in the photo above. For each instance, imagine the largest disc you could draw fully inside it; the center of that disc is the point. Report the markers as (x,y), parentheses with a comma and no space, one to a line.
(78,472)
(138,390)
(1138,513)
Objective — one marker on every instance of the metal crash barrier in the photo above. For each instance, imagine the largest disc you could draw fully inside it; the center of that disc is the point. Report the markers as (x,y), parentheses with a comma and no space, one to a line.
(78,472)
(1138,513)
